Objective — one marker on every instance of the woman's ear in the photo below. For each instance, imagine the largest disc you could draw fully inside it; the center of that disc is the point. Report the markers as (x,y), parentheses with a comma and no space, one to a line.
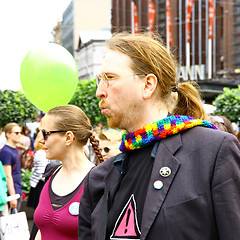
(150,84)
(69,137)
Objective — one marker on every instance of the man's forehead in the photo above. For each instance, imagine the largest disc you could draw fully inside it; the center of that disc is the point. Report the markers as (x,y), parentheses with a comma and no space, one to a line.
(113,61)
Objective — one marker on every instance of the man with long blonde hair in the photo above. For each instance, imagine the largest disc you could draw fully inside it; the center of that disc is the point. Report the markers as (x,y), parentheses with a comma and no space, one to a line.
(177,177)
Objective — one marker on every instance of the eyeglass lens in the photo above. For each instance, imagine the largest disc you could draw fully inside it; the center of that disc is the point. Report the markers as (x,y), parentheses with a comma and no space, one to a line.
(103,78)
(44,133)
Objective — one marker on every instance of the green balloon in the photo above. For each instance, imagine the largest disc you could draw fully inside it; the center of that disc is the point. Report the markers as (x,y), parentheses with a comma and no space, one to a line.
(49,76)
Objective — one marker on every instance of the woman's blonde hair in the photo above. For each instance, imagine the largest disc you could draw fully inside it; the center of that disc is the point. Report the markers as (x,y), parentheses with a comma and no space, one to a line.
(37,144)
(149,55)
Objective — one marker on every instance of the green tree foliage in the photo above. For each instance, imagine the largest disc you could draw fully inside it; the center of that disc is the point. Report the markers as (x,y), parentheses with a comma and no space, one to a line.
(14,107)
(228,104)
(25,176)
(85,98)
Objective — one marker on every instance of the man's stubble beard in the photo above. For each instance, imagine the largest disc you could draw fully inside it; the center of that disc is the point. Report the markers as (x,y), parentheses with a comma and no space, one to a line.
(123,121)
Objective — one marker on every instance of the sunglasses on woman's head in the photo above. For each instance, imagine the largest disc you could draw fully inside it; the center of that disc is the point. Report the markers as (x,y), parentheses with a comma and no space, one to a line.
(46,134)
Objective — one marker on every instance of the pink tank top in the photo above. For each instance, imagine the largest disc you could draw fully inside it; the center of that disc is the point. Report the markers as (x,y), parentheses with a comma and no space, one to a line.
(61,224)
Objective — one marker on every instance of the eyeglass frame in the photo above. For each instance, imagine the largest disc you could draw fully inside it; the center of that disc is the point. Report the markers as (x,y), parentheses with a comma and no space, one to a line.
(48,133)
(106,79)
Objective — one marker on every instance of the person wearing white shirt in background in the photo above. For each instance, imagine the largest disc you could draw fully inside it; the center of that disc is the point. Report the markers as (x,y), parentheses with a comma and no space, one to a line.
(36,180)
(3,139)
(25,141)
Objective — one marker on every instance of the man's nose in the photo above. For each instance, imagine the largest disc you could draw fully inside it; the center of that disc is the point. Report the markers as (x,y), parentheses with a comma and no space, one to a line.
(101,91)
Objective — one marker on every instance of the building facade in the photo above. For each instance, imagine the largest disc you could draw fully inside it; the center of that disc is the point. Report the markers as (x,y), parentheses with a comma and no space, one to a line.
(204,36)
(84,15)
(90,52)
(90,56)
(68,28)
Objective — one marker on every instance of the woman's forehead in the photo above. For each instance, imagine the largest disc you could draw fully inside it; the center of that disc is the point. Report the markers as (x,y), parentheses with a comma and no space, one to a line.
(47,121)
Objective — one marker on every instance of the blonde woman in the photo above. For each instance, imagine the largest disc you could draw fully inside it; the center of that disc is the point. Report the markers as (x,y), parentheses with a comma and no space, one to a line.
(65,130)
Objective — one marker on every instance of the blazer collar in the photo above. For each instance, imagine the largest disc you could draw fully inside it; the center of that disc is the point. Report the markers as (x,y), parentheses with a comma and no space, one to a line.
(155,197)
(114,176)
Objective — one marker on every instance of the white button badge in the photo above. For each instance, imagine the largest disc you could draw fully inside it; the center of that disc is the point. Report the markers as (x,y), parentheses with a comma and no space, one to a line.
(74,208)
(165,171)
(158,184)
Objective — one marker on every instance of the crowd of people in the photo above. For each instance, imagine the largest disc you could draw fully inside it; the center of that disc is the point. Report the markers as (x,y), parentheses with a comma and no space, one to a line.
(164,168)
(17,139)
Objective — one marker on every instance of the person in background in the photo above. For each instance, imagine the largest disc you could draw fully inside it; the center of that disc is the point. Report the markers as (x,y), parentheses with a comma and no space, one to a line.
(36,180)
(177,176)
(11,160)
(3,139)
(3,190)
(222,123)
(65,130)
(35,133)
(238,136)
(109,142)
(25,141)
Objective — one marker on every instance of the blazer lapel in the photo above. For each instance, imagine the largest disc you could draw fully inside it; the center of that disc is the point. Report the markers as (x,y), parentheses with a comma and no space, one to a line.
(112,181)
(155,197)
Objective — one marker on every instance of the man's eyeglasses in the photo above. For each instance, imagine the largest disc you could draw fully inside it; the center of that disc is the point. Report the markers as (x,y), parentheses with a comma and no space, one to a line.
(46,134)
(103,77)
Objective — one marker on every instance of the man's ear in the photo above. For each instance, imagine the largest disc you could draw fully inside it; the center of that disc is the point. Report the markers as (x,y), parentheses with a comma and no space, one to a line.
(150,85)
(69,138)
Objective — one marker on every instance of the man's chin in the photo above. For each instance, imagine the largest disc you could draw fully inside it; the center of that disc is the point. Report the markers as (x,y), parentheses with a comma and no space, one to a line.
(112,123)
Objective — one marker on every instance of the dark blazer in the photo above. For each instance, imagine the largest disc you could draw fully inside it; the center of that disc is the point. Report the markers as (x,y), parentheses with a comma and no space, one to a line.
(199,200)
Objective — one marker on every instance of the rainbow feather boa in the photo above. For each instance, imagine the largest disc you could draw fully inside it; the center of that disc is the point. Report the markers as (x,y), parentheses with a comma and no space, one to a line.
(160,129)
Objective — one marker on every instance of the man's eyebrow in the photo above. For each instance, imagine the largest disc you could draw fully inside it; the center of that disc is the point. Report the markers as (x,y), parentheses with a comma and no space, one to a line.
(110,73)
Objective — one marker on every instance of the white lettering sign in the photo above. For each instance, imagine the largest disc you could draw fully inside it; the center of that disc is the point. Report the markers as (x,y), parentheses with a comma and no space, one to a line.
(195,72)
